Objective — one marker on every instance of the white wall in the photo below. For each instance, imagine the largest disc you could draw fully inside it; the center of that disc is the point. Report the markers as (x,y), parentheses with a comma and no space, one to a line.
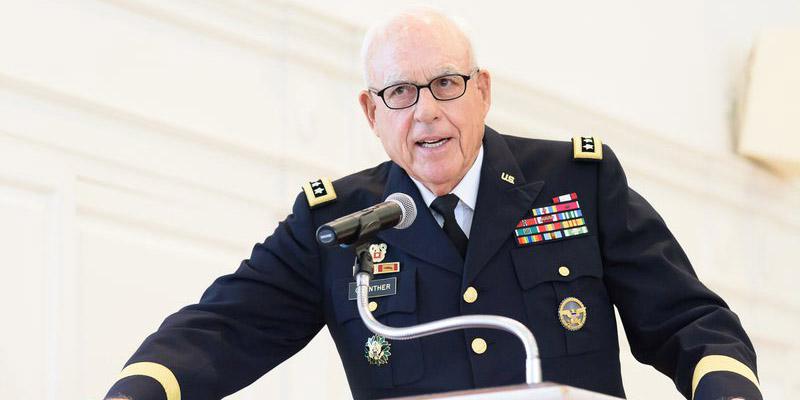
(146,145)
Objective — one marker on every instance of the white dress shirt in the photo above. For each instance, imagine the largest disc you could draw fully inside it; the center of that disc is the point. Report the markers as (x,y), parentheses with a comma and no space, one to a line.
(467,192)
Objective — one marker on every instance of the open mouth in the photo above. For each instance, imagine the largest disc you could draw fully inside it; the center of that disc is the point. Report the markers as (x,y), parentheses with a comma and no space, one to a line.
(430,144)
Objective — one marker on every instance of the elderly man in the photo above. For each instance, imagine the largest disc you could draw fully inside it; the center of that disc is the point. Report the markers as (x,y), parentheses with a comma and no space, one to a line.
(547,233)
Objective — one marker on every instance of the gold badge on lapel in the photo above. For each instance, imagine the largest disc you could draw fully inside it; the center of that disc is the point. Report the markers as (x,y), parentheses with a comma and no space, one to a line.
(377,350)
(572,313)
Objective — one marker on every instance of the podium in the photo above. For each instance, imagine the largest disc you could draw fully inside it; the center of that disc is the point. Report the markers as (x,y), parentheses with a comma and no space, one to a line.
(539,391)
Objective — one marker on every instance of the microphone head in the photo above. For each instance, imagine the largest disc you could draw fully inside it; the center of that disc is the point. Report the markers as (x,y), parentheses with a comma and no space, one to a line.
(407,206)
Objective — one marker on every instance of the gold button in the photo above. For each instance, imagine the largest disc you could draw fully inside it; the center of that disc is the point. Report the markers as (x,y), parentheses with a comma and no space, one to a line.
(563,270)
(478,346)
(373,306)
(470,295)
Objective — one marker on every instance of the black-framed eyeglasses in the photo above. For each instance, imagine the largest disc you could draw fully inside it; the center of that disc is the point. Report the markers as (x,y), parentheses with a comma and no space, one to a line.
(443,88)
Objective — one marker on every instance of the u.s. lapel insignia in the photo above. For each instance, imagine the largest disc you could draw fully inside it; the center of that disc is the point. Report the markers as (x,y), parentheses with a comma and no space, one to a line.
(377,350)
(587,148)
(572,313)
(506,177)
(319,192)
(378,252)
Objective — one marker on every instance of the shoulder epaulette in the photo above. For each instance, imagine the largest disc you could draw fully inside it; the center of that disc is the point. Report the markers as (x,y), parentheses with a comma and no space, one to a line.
(587,148)
(319,192)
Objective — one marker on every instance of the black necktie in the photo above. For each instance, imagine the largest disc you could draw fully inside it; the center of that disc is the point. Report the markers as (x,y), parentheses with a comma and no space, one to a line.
(446,206)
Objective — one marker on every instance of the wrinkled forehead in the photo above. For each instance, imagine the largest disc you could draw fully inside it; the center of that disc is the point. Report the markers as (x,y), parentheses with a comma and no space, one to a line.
(416,56)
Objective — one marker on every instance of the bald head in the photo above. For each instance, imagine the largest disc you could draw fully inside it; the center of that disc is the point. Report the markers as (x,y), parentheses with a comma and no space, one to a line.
(400,34)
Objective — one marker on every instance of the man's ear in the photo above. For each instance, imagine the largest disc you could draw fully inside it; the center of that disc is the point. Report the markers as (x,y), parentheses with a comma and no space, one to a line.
(368,106)
(484,81)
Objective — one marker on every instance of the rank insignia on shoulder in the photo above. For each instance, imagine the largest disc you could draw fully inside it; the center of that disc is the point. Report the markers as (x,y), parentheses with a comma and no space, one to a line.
(587,148)
(377,350)
(319,192)
(572,314)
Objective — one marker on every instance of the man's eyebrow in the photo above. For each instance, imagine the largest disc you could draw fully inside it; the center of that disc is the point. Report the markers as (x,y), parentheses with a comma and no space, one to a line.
(394,79)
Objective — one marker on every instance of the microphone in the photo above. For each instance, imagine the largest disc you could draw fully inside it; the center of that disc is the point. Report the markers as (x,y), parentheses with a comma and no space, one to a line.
(398,211)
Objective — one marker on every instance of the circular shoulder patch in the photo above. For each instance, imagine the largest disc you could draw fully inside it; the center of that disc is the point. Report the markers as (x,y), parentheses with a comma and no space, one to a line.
(572,313)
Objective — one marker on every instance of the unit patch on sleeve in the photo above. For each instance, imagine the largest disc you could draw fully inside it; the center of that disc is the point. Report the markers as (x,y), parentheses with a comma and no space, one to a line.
(560,220)
(587,148)
(319,192)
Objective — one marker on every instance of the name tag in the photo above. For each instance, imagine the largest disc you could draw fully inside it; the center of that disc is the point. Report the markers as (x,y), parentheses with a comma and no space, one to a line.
(377,288)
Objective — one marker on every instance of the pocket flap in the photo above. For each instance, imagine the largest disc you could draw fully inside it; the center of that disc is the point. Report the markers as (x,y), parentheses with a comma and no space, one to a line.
(563,260)
(404,301)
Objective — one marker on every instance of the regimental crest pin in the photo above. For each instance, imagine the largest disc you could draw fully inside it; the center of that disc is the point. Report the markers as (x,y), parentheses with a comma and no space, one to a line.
(572,313)
(378,252)
(377,350)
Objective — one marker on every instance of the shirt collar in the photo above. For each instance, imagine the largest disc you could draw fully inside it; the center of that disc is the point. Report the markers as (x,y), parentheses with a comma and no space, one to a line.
(466,190)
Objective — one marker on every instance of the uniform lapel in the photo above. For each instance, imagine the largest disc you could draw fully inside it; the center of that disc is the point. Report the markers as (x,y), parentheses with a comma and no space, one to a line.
(500,204)
(424,239)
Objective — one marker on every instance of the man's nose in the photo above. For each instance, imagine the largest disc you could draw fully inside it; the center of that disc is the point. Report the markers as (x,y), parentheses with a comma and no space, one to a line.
(427,108)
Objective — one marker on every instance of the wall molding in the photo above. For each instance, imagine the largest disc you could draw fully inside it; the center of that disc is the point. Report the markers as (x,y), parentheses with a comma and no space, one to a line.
(22,176)
(276,28)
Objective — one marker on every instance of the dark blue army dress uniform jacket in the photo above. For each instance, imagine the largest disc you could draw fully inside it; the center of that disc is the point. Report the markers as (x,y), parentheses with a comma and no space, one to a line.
(555,243)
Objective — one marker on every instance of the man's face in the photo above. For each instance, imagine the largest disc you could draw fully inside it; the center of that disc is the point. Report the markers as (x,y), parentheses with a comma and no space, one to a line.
(434,141)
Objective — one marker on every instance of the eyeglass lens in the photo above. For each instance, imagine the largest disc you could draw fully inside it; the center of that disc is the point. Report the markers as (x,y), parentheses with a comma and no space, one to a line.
(442,88)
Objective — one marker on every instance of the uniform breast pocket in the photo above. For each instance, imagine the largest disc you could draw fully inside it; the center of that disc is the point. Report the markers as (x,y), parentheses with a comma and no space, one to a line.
(404,363)
(565,299)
